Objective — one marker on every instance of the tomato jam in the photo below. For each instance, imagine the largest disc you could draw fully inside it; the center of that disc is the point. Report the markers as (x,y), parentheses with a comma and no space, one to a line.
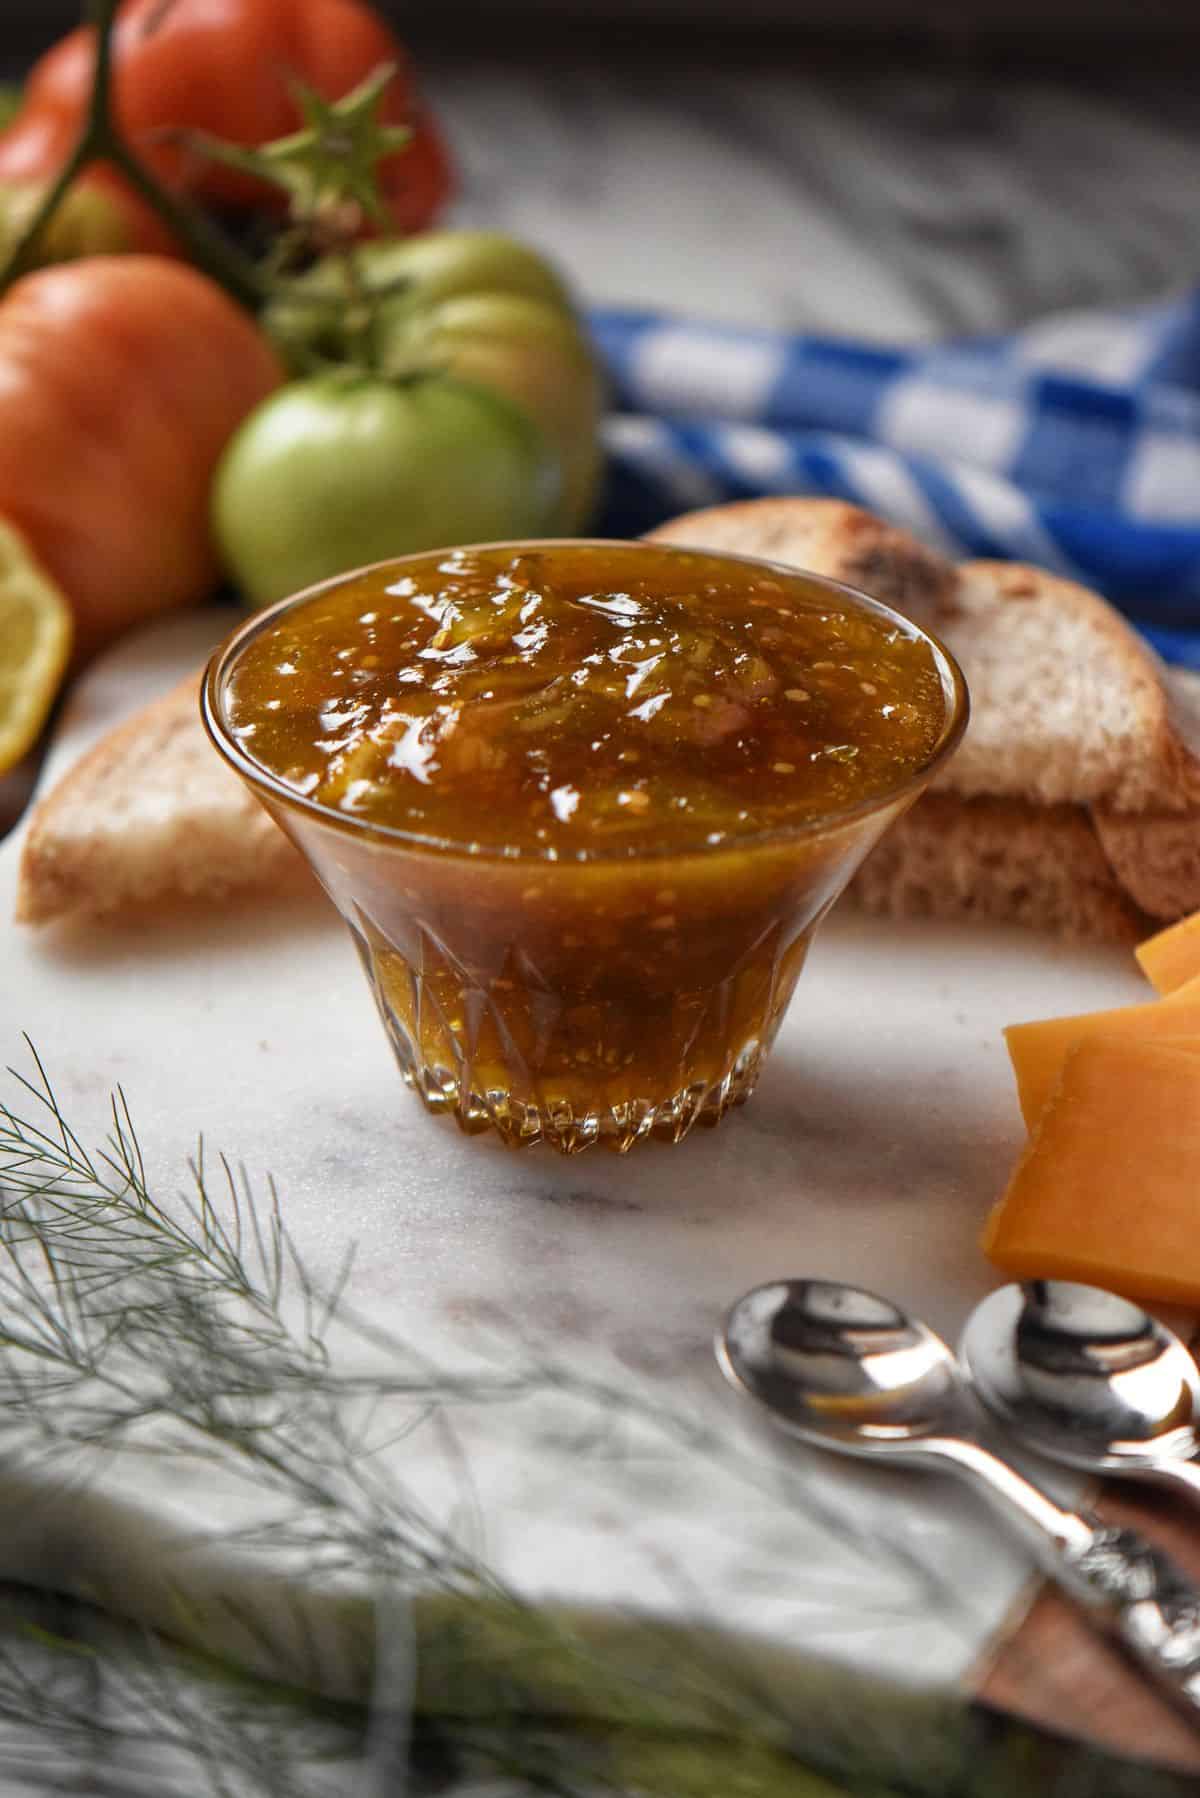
(586,700)
(583,806)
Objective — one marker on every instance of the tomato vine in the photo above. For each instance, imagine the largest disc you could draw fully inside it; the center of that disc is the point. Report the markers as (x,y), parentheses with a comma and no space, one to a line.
(101,140)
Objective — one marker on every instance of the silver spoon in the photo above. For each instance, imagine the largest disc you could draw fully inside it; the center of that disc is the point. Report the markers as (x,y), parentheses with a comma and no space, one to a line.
(1089,1379)
(849,1371)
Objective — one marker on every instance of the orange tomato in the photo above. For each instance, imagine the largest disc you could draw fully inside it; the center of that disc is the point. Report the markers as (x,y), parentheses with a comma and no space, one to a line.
(227,68)
(121,380)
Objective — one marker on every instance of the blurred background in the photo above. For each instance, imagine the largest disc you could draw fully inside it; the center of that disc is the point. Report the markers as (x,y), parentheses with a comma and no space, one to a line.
(890,169)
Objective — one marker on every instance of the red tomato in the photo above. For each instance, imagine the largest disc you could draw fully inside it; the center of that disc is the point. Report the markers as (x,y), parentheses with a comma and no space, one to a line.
(226,67)
(121,380)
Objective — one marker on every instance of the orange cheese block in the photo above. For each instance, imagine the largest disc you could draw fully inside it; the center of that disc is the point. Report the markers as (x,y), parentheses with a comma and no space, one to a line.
(1037,1051)
(1172,958)
(1108,1190)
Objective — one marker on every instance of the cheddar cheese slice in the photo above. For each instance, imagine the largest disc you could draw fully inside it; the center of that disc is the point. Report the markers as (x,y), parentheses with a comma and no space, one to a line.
(1172,958)
(1038,1050)
(1108,1190)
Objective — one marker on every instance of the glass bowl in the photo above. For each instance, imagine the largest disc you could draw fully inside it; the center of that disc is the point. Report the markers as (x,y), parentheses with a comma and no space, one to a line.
(576,1002)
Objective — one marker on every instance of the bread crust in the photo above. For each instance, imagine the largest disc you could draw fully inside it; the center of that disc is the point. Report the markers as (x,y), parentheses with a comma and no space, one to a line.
(1156,858)
(1155,854)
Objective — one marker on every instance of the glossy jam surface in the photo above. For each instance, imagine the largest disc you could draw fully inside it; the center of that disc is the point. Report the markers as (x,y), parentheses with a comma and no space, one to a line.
(578,701)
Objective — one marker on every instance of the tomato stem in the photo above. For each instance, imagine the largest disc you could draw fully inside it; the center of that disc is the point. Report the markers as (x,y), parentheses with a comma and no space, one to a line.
(102,14)
(362,312)
(206,245)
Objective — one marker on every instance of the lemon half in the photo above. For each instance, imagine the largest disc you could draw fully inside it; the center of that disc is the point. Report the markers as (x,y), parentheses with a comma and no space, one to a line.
(35,644)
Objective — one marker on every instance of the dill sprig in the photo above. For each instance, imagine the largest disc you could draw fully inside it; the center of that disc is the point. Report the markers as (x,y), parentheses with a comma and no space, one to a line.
(341,1625)
(196,1331)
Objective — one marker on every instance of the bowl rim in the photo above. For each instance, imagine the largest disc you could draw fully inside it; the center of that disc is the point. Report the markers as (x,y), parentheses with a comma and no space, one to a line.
(270,787)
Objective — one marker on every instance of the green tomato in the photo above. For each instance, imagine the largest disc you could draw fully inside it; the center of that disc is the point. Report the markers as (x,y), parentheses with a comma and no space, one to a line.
(440,264)
(345,469)
(536,356)
(317,311)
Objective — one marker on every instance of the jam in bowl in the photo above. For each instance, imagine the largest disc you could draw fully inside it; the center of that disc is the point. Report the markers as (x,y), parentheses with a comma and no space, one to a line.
(582,806)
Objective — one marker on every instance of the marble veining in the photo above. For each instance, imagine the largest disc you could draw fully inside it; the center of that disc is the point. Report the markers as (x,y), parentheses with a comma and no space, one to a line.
(883,199)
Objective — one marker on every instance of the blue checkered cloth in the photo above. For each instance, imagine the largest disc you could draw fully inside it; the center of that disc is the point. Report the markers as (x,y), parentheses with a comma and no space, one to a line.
(1074,444)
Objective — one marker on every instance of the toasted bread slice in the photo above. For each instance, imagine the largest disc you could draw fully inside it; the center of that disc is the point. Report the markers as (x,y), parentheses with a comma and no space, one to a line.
(1072,715)
(830,537)
(1068,704)
(1155,854)
(1002,859)
(150,814)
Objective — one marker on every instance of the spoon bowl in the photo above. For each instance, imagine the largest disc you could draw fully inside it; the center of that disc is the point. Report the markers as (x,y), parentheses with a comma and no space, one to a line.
(1086,1378)
(841,1367)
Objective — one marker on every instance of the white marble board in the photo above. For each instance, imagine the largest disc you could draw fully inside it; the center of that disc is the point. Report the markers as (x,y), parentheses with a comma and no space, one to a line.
(883,1128)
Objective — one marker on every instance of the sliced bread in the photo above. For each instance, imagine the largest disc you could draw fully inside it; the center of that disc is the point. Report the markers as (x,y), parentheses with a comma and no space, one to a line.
(149,815)
(830,537)
(1001,859)
(1075,724)
(1068,704)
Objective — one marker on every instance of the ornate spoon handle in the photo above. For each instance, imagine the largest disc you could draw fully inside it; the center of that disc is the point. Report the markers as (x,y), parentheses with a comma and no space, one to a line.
(1129,1588)
(1148,1603)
